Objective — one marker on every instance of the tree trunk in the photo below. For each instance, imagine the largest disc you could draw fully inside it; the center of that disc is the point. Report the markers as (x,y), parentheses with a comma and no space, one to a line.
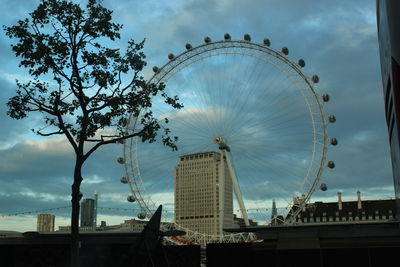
(76,196)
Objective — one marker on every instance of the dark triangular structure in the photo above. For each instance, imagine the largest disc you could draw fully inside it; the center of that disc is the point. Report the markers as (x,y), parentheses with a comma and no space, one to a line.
(150,235)
(143,252)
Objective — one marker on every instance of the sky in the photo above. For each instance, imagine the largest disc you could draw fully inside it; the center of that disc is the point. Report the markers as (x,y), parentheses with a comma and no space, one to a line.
(338,41)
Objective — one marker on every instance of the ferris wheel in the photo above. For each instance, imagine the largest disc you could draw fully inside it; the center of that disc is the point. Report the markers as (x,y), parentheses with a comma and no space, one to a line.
(250,104)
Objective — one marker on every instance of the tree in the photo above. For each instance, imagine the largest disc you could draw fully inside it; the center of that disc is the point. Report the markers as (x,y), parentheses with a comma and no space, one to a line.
(80,86)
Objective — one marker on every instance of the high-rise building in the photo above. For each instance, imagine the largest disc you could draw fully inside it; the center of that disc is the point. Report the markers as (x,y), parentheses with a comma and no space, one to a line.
(45,223)
(203,193)
(388,18)
(87,212)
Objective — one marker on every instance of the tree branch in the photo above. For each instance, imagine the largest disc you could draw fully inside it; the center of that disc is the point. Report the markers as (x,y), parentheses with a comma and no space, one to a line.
(62,126)
(111,141)
(101,139)
(59,33)
(67,133)
(48,134)
(40,106)
(105,104)
(96,94)
(131,83)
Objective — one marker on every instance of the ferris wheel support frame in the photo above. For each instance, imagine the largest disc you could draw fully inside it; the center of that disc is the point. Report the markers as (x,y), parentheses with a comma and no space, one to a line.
(224,147)
(222,196)
(236,187)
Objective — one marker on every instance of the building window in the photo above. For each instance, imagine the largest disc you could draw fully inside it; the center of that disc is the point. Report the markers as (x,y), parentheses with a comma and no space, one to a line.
(350,216)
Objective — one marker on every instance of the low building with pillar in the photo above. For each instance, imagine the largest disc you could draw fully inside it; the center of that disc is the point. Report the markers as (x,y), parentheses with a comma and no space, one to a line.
(348,211)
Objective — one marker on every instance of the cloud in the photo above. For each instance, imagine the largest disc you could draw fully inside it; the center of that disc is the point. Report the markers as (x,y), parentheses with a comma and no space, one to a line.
(44,169)
(11,130)
(35,155)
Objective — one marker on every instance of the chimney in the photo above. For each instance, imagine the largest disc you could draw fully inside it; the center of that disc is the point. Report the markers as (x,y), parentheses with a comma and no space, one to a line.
(340,204)
(359,204)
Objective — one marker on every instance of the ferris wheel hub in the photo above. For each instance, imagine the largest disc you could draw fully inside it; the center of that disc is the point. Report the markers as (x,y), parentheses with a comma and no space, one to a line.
(223,144)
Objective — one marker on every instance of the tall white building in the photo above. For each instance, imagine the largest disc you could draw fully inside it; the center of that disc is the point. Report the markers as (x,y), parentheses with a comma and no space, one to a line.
(203,193)
(45,223)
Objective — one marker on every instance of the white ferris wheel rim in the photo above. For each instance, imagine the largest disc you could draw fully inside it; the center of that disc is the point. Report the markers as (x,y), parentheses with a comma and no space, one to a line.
(245,48)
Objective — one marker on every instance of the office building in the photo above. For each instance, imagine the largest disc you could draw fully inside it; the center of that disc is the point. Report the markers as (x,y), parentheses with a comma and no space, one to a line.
(87,212)
(45,223)
(388,18)
(203,193)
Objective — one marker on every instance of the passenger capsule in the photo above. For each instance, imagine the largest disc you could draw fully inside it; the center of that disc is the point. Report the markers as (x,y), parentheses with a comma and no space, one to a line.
(227,36)
(247,37)
(207,40)
(142,215)
(315,78)
(302,63)
(285,50)
(332,118)
(121,160)
(267,42)
(325,97)
(334,141)
(323,187)
(155,69)
(188,46)
(171,56)
(131,198)
(331,164)
(124,180)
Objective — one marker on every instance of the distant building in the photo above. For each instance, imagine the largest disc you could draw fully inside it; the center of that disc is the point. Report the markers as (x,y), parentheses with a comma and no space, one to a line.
(388,18)
(348,211)
(81,228)
(126,226)
(45,223)
(274,212)
(203,198)
(275,218)
(133,225)
(87,212)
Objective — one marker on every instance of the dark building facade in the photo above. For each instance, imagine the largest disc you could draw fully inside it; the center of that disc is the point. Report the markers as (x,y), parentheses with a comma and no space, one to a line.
(370,244)
(87,212)
(388,18)
(348,211)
